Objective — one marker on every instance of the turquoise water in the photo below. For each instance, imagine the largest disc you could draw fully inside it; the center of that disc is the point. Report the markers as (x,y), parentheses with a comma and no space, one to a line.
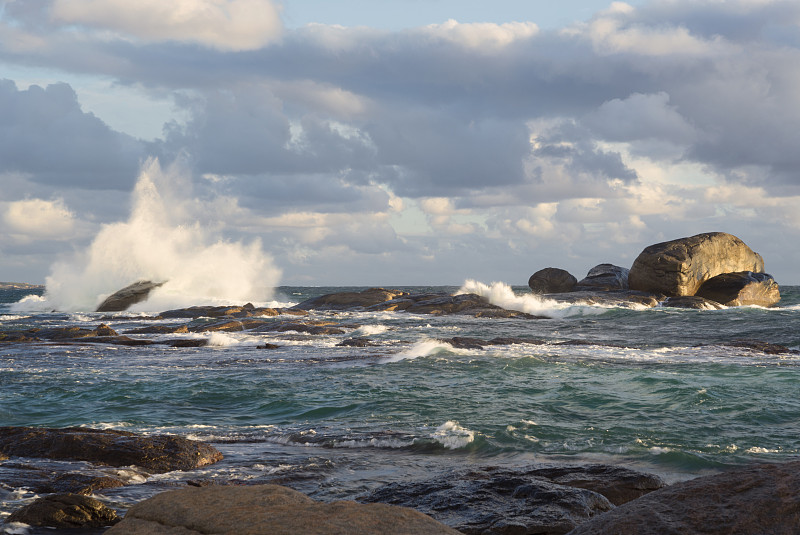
(654,389)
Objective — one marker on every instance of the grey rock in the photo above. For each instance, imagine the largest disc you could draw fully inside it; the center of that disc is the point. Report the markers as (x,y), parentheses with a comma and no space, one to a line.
(128,296)
(612,298)
(551,280)
(65,511)
(349,300)
(741,289)
(604,277)
(692,301)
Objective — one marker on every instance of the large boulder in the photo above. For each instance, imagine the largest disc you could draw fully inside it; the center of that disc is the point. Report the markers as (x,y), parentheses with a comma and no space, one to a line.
(551,281)
(604,277)
(741,289)
(65,511)
(157,453)
(349,300)
(680,267)
(753,500)
(128,296)
(267,510)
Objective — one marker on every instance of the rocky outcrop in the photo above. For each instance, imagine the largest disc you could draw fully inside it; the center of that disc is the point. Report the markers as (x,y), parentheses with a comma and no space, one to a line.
(157,453)
(611,298)
(680,267)
(128,296)
(551,281)
(267,510)
(349,300)
(538,500)
(753,500)
(604,277)
(65,511)
(692,301)
(741,289)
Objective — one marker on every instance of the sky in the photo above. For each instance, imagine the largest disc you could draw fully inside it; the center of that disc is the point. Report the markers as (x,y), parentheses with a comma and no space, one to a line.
(402,141)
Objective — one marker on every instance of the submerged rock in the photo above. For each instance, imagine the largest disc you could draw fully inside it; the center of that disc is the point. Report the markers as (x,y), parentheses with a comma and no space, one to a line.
(128,296)
(741,289)
(551,280)
(65,511)
(680,267)
(753,500)
(611,298)
(604,277)
(157,453)
(692,301)
(267,510)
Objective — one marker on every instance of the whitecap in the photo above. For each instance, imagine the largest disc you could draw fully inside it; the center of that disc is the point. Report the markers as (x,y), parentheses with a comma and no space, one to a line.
(453,436)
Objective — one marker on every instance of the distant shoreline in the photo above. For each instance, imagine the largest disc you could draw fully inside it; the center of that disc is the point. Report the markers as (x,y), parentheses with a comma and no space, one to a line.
(19,286)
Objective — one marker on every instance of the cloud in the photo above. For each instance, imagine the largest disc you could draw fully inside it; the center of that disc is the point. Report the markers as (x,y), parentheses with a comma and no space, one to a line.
(230,25)
(38,219)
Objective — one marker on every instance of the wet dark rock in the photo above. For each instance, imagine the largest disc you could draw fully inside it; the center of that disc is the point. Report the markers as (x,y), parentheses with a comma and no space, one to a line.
(604,277)
(357,342)
(680,267)
(753,500)
(65,511)
(691,301)
(612,298)
(229,311)
(741,289)
(188,342)
(496,500)
(130,295)
(464,342)
(160,329)
(463,304)
(618,484)
(267,345)
(349,300)
(79,484)
(158,453)
(762,347)
(551,281)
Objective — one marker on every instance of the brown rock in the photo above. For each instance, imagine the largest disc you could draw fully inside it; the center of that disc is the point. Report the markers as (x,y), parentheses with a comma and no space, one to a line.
(680,267)
(348,300)
(741,289)
(74,483)
(612,298)
(65,511)
(128,296)
(551,281)
(692,301)
(158,453)
(267,510)
(754,500)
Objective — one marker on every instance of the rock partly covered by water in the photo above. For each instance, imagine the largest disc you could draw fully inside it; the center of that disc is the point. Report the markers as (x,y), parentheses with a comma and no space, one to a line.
(741,289)
(349,300)
(65,511)
(267,510)
(692,301)
(538,500)
(128,296)
(754,500)
(680,267)
(157,453)
(552,280)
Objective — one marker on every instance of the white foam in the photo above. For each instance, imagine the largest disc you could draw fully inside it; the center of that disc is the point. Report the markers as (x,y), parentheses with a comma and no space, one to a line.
(31,303)
(452,436)
(368,330)
(423,348)
(163,240)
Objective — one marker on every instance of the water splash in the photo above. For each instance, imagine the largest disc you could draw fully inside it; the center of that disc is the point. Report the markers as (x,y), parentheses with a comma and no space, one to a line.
(162,240)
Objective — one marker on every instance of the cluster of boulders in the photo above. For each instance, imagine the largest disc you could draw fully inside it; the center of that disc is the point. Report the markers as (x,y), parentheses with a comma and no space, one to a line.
(711,270)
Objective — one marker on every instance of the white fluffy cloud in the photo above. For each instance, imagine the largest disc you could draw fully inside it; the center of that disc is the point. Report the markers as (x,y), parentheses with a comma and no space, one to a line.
(38,219)
(223,24)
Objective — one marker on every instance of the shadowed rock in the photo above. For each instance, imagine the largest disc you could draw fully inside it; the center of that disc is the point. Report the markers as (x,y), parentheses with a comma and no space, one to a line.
(267,510)
(612,298)
(692,301)
(349,300)
(65,511)
(158,453)
(604,277)
(551,281)
(754,500)
(74,483)
(680,267)
(128,296)
(618,484)
(741,289)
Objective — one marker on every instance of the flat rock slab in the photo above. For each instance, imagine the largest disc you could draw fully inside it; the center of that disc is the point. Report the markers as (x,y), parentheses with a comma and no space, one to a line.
(267,510)
(65,511)
(158,453)
(755,500)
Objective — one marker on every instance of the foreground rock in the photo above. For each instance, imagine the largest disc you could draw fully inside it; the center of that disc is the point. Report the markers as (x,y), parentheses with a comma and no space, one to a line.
(539,500)
(755,500)
(128,296)
(266,509)
(552,281)
(741,289)
(680,267)
(158,453)
(65,511)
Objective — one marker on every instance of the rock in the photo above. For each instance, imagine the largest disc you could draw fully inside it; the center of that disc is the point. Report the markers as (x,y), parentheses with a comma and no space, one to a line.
(65,511)
(741,289)
(349,300)
(74,483)
(462,304)
(753,500)
(762,347)
(680,267)
(357,342)
(618,484)
(611,298)
(692,301)
(225,311)
(157,453)
(267,510)
(604,277)
(128,296)
(495,500)
(551,281)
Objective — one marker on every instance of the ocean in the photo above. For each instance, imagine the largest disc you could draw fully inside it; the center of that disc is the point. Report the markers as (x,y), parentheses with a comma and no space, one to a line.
(660,390)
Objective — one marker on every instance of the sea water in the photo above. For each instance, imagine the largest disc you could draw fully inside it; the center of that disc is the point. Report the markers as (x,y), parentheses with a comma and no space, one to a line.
(655,389)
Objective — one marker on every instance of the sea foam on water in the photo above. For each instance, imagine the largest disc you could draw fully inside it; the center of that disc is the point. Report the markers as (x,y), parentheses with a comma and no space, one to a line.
(162,240)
